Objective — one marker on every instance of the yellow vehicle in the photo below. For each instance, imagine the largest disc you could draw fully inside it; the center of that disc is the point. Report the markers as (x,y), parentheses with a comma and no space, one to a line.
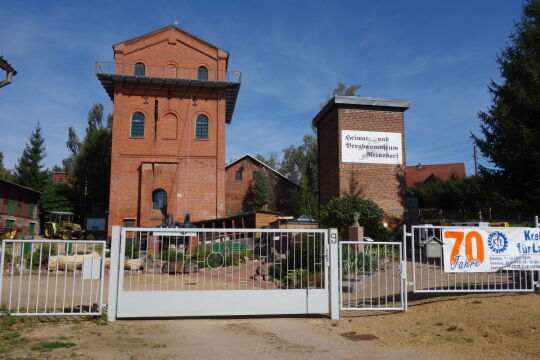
(499,224)
(61,225)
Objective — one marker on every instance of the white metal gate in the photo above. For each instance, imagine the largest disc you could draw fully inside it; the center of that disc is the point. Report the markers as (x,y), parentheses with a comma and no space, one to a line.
(52,277)
(372,276)
(429,276)
(169,272)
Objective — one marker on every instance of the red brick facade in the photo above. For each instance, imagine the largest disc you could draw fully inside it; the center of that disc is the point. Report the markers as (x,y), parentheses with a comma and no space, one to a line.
(169,157)
(60,177)
(382,183)
(237,190)
(19,206)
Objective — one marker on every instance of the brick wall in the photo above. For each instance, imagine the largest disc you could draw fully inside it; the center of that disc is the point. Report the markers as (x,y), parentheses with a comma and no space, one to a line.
(382,183)
(236,191)
(191,171)
(20,206)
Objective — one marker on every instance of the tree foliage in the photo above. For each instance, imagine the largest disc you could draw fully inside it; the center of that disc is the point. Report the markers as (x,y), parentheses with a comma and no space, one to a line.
(339,213)
(510,128)
(300,165)
(29,171)
(56,197)
(260,191)
(90,160)
(343,89)
(5,174)
(471,193)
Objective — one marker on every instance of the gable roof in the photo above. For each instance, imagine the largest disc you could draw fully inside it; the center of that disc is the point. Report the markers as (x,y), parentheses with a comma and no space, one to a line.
(420,173)
(249,156)
(171,27)
(19,186)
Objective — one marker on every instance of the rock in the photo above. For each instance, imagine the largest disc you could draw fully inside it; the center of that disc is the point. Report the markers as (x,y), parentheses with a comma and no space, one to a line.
(69,262)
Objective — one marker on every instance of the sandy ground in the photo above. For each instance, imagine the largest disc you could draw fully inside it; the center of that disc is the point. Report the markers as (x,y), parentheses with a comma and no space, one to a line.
(465,327)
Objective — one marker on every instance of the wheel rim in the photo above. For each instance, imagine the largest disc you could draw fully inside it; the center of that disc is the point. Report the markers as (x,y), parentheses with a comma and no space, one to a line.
(65,236)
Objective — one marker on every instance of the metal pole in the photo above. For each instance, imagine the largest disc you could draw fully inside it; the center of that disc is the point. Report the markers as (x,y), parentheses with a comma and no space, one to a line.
(404,269)
(114,273)
(334,274)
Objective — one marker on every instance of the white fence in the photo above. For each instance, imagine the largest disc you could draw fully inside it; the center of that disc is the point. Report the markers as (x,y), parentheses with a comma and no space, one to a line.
(205,272)
(372,276)
(52,277)
(429,275)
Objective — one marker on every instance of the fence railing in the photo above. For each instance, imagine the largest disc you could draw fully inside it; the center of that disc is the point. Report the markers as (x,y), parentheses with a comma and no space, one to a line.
(52,277)
(429,275)
(371,276)
(222,259)
(167,72)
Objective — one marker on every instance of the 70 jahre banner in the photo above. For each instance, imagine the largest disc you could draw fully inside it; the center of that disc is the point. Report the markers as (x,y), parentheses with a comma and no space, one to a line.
(491,249)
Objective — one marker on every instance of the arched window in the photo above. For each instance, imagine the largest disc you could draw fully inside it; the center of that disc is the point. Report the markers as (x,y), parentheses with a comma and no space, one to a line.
(202,73)
(137,125)
(159,200)
(139,69)
(201,127)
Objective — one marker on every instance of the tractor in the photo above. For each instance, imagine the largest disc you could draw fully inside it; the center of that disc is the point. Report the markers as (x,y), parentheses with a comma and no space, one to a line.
(61,225)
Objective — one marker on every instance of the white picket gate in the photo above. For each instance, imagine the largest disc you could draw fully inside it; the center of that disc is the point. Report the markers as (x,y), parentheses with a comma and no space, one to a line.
(172,272)
(52,277)
(372,276)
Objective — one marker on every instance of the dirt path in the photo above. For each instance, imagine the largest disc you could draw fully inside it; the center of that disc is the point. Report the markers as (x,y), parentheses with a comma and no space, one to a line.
(457,327)
(269,338)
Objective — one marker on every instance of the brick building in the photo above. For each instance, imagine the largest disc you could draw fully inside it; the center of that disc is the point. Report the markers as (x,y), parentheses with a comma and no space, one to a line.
(424,173)
(362,151)
(19,207)
(172,98)
(240,175)
(60,177)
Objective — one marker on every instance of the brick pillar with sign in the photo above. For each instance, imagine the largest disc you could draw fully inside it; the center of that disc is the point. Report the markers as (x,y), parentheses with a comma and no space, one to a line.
(362,152)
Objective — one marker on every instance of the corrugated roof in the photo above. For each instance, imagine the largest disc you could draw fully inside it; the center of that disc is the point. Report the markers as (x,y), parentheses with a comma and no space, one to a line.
(20,186)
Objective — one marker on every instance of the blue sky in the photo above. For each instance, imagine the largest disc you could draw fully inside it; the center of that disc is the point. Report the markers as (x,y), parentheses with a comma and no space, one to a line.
(439,55)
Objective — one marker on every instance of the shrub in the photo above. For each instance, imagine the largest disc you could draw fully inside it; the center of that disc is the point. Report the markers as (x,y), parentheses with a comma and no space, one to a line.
(339,213)
(34,256)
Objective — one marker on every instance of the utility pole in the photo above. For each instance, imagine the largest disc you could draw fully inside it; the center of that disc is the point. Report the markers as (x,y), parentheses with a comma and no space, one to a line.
(475,161)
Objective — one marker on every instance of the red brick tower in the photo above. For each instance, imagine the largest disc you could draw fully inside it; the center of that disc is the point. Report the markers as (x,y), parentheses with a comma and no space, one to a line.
(362,151)
(172,97)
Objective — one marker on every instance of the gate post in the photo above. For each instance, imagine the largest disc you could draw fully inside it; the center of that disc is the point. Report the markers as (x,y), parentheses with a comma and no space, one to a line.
(114,273)
(334,273)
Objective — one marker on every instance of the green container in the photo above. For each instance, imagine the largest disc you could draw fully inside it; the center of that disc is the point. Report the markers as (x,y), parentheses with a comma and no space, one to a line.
(27,249)
(220,247)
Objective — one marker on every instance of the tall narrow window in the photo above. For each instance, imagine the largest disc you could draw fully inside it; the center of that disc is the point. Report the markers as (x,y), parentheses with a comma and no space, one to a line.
(137,125)
(139,69)
(201,127)
(239,175)
(202,73)
(159,200)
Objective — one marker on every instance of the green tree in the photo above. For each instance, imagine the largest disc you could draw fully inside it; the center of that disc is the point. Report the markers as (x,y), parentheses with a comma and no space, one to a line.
(5,174)
(272,160)
(56,197)
(29,170)
(300,165)
(510,128)
(89,162)
(343,89)
(303,200)
(260,191)
(339,213)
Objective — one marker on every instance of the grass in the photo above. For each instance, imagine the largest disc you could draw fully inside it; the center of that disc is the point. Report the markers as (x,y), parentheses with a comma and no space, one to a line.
(51,345)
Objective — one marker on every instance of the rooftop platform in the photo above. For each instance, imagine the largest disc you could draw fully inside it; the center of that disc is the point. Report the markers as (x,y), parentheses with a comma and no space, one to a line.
(110,73)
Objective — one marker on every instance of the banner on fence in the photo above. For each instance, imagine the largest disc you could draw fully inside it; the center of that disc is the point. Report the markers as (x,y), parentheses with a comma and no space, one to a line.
(490,249)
